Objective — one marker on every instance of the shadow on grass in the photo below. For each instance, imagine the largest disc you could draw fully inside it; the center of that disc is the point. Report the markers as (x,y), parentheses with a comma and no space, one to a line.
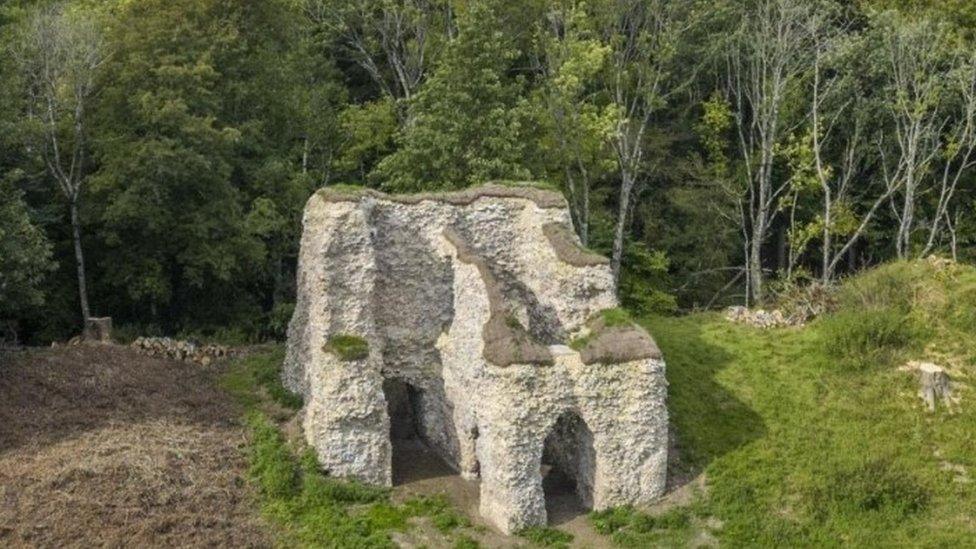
(707,420)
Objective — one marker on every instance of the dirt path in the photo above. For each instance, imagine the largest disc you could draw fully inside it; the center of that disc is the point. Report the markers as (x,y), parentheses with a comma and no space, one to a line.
(100,446)
(419,471)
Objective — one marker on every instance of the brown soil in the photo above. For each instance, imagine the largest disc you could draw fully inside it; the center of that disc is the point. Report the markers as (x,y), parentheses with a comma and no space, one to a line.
(101,446)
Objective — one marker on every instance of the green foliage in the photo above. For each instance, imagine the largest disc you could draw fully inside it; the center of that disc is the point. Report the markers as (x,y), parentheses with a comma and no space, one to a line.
(440,149)
(541,536)
(278,320)
(25,255)
(348,347)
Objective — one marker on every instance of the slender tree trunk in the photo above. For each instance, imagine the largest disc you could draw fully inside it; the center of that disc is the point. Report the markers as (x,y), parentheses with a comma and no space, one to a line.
(627,185)
(79,260)
(826,274)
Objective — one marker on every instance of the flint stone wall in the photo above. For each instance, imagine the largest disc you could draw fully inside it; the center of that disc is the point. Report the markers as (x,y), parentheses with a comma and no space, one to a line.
(471,298)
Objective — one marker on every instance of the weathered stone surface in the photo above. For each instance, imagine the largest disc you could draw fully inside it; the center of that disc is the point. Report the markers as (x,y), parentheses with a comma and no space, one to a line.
(467,301)
(933,385)
(98,329)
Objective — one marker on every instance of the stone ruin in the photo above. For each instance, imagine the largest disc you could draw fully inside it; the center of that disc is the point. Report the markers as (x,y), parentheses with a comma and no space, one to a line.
(481,324)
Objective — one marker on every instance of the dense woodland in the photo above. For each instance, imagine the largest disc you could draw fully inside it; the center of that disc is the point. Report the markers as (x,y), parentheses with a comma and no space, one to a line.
(155,155)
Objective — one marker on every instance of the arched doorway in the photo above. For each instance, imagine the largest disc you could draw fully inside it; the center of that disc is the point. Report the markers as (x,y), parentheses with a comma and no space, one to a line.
(415,418)
(568,469)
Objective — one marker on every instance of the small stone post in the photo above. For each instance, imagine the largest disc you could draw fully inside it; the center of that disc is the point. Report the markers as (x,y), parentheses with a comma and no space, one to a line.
(934,383)
(98,329)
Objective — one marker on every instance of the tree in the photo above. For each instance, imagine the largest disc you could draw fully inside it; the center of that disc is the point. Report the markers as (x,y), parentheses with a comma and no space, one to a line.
(393,41)
(60,53)
(580,126)
(768,58)
(465,125)
(25,255)
(174,219)
(640,79)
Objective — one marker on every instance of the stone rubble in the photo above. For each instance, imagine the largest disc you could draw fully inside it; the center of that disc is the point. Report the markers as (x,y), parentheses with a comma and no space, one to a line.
(187,351)
(760,318)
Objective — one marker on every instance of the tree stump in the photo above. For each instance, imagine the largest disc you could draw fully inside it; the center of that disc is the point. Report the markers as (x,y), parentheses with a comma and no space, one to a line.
(934,383)
(98,329)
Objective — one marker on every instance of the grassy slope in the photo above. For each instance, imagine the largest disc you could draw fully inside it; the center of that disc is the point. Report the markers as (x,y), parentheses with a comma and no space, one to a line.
(805,441)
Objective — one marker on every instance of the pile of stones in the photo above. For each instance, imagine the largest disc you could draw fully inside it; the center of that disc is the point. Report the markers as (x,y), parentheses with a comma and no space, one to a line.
(188,351)
(760,318)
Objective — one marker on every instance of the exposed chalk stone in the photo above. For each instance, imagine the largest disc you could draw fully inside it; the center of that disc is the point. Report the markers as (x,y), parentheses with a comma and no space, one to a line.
(466,302)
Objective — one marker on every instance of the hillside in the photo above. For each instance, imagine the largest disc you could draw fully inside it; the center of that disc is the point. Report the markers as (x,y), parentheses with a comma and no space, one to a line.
(814,435)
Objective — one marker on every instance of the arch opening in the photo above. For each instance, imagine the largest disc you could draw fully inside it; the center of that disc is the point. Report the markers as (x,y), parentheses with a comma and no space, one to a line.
(412,423)
(568,469)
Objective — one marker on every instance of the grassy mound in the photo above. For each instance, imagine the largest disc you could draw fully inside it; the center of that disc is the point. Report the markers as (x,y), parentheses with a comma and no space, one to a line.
(814,436)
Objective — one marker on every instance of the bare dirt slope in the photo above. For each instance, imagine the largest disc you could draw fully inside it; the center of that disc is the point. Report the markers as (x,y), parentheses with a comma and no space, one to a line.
(100,446)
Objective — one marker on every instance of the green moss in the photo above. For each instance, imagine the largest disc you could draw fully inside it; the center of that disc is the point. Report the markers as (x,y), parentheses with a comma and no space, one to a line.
(351,189)
(542,185)
(348,347)
(601,320)
(615,317)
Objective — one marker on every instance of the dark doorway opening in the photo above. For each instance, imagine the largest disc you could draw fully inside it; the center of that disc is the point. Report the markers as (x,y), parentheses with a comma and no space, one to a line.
(413,459)
(568,468)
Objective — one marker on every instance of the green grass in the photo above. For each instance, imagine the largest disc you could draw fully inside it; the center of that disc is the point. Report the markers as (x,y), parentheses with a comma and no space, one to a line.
(814,437)
(541,536)
(309,508)
(348,347)
(627,527)
(612,318)
(256,378)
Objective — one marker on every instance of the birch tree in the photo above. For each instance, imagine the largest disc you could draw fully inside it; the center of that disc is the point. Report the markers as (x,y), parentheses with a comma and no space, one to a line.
(391,40)
(640,79)
(60,53)
(770,55)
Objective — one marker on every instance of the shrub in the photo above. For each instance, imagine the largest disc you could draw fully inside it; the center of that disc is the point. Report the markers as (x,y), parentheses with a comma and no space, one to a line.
(866,338)
(348,347)
(278,320)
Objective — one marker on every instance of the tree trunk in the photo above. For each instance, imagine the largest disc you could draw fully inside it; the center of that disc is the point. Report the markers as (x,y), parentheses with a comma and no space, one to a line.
(755,258)
(79,261)
(627,185)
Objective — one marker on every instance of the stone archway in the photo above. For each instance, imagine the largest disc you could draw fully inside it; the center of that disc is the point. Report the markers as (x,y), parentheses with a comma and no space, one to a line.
(414,420)
(568,468)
